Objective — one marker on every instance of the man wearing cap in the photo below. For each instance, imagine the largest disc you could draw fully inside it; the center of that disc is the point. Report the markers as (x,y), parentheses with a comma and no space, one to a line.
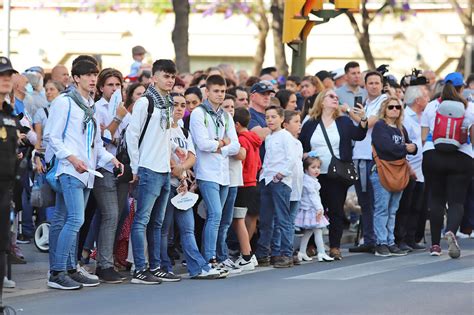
(74,140)
(326,78)
(351,89)
(339,77)
(8,138)
(138,54)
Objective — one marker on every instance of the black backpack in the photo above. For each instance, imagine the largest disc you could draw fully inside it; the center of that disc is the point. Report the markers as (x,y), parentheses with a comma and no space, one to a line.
(122,153)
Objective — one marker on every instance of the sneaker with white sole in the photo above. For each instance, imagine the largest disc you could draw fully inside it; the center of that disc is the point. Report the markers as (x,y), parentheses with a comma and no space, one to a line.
(254,260)
(435,250)
(453,248)
(144,277)
(79,277)
(230,265)
(8,284)
(82,269)
(244,265)
(62,281)
(165,276)
(207,275)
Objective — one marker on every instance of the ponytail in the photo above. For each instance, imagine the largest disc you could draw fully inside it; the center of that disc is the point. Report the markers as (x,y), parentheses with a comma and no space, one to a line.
(452,93)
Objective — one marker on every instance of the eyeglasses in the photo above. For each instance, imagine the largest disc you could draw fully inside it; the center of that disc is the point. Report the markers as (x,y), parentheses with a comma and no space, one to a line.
(392,107)
(332,96)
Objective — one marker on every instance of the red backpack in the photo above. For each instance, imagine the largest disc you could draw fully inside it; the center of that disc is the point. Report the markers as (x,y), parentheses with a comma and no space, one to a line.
(449,132)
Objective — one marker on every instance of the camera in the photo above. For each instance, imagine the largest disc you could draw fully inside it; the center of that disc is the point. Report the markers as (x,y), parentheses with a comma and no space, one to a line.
(388,79)
(415,78)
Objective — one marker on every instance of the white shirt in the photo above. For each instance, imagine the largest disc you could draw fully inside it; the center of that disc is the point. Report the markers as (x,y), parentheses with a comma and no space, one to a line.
(428,120)
(235,173)
(319,145)
(311,198)
(278,158)
(363,149)
(411,121)
(155,150)
(76,141)
(185,144)
(105,118)
(298,172)
(210,165)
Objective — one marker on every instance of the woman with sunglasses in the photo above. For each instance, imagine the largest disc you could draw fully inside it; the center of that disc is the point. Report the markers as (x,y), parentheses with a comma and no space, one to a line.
(341,131)
(390,141)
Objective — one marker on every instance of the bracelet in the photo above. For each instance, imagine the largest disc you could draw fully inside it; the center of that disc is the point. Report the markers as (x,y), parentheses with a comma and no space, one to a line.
(117,120)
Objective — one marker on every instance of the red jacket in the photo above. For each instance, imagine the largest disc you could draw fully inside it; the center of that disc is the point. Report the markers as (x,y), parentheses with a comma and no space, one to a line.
(251,142)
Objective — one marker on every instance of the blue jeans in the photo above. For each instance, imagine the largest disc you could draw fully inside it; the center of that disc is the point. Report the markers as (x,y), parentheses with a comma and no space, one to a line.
(185,220)
(27,225)
(385,210)
(275,203)
(275,247)
(152,197)
(226,221)
(214,195)
(366,202)
(67,219)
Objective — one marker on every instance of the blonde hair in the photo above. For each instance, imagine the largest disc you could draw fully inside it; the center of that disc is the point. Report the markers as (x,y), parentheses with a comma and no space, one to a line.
(317,109)
(383,112)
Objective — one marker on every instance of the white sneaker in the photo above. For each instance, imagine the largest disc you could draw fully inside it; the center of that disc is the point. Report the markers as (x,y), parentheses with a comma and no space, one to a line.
(229,265)
(462,235)
(324,257)
(304,257)
(254,260)
(209,275)
(244,265)
(82,270)
(8,284)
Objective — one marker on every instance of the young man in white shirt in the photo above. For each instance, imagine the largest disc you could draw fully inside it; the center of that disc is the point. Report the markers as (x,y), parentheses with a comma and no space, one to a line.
(362,155)
(150,154)
(215,139)
(74,139)
(110,202)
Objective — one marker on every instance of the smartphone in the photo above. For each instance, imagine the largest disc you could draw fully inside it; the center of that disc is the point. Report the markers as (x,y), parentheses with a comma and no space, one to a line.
(357,100)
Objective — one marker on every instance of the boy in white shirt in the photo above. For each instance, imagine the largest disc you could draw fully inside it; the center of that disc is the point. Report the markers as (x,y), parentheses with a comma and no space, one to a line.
(215,139)
(150,164)
(276,174)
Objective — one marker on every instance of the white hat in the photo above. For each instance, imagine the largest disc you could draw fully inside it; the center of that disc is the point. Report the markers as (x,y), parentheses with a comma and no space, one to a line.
(338,73)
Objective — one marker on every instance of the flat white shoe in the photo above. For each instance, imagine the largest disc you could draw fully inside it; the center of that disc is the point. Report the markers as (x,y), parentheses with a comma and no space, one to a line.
(304,257)
(324,257)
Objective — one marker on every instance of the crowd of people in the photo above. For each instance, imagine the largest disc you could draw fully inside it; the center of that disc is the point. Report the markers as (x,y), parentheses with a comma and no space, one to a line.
(103,157)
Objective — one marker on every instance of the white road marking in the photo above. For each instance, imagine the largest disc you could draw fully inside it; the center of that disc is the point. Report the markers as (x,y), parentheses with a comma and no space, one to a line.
(465,275)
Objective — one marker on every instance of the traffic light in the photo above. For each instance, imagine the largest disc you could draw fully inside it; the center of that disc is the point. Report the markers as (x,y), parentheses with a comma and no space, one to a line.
(296,24)
(352,5)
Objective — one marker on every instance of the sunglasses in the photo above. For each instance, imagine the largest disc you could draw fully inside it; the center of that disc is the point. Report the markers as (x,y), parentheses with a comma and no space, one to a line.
(392,107)
(332,96)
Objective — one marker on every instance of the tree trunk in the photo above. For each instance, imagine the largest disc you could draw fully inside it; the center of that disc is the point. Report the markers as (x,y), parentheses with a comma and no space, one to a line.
(277,27)
(263,28)
(180,34)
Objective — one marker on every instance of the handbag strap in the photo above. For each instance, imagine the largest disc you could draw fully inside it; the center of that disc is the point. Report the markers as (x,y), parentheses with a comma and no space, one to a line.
(321,123)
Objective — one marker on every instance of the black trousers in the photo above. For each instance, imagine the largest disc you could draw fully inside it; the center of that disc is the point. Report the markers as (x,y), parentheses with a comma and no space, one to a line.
(333,195)
(408,214)
(449,175)
(5,198)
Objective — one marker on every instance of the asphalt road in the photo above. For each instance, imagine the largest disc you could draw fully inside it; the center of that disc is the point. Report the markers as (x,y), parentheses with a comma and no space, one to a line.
(359,284)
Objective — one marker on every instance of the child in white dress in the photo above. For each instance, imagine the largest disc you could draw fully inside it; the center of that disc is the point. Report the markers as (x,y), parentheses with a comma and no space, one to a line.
(310,216)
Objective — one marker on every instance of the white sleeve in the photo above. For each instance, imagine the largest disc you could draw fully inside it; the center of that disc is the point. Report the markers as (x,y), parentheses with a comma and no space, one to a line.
(234,146)
(56,126)
(200,133)
(134,129)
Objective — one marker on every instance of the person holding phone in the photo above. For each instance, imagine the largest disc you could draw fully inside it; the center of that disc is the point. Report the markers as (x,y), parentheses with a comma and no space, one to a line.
(349,91)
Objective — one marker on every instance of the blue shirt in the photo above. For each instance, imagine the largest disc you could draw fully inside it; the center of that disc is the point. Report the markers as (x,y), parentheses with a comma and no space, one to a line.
(346,96)
(19,107)
(258,120)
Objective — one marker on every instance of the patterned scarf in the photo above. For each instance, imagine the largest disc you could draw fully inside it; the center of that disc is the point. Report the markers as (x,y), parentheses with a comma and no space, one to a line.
(88,111)
(164,104)
(217,117)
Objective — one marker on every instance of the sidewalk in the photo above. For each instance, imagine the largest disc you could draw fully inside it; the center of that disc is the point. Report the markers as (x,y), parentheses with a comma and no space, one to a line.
(31,278)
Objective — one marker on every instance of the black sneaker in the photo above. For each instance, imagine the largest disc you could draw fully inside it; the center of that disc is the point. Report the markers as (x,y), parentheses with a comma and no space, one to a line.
(405,247)
(23,239)
(108,275)
(63,281)
(80,278)
(362,249)
(144,277)
(416,246)
(263,261)
(165,276)
(395,251)
(382,251)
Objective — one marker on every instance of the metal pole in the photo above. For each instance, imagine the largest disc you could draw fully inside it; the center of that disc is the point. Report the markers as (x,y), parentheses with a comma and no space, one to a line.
(298,61)
(6,28)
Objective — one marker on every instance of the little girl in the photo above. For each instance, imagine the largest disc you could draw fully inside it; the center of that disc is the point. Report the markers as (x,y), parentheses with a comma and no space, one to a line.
(310,216)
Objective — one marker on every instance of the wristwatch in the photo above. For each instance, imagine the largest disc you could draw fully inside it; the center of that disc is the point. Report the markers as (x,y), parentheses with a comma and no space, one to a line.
(348,110)
(364,119)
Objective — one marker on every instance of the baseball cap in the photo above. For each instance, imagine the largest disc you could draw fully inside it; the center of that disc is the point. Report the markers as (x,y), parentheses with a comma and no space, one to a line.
(323,74)
(455,78)
(138,50)
(262,87)
(6,65)
(338,73)
(37,69)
